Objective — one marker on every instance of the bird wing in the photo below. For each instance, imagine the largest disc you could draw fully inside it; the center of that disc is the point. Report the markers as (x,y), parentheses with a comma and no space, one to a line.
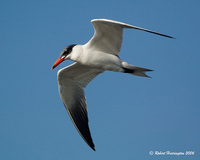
(108,35)
(71,81)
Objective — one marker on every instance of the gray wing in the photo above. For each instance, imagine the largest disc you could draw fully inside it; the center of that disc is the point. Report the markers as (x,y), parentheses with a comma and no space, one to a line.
(71,81)
(108,35)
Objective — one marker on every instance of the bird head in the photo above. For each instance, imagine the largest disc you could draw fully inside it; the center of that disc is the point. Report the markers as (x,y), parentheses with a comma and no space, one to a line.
(64,55)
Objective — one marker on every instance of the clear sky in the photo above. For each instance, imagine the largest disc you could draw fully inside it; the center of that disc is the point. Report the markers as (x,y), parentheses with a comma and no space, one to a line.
(129,116)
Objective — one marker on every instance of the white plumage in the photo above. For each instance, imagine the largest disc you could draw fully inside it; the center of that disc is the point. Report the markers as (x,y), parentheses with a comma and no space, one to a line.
(99,54)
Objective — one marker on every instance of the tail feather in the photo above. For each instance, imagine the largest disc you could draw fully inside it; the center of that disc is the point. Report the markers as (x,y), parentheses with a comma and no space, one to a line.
(135,70)
(139,71)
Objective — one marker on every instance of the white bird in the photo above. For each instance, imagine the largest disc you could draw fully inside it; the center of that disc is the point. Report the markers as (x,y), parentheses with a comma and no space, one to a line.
(99,54)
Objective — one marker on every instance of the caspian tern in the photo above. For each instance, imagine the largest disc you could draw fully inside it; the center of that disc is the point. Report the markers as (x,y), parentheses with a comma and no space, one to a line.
(99,54)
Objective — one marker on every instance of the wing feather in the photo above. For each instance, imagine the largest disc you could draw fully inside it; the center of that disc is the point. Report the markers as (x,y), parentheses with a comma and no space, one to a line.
(108,35)
(71,81)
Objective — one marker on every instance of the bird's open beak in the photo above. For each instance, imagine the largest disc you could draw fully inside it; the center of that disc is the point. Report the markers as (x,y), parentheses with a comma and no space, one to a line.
(59,60)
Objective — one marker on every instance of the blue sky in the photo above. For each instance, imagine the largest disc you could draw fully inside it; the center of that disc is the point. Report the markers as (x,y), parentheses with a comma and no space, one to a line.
(129,116)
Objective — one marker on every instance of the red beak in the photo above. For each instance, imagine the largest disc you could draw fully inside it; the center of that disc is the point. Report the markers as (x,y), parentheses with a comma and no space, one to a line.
(59,60)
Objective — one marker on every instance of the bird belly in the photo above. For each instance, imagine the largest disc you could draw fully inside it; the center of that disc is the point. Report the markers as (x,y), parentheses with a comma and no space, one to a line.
(102,61)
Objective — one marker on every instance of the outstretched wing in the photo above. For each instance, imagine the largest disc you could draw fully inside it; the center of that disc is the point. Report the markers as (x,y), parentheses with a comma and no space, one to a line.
(71,81)
(108,35)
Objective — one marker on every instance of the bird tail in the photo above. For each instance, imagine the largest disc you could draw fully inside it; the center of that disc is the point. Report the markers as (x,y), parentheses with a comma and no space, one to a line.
(135,70)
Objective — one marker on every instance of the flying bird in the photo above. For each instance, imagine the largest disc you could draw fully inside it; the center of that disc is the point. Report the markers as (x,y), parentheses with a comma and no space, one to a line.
(91,59)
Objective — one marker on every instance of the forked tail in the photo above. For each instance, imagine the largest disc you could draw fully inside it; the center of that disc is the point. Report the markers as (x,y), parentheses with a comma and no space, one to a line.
(135,70)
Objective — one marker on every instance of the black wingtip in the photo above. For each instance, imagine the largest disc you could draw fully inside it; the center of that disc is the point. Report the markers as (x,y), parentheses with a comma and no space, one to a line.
(91,144)
(164,35)
(93,148)
(171,37)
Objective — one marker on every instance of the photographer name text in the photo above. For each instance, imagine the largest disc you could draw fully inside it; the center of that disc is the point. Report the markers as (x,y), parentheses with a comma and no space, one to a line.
(170,153)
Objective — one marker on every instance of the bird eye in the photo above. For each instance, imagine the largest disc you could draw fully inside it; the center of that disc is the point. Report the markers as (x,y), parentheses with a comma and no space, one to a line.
(67,50)
(64,53)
